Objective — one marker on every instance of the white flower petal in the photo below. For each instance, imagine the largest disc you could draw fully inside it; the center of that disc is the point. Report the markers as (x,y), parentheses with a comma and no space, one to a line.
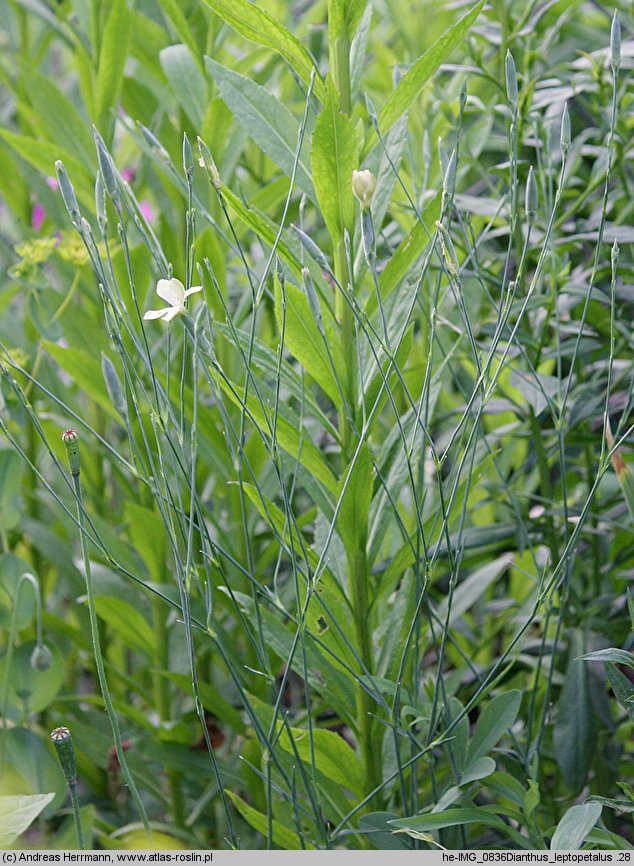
(192,290)
(173,311)
(156,314)
(171,291)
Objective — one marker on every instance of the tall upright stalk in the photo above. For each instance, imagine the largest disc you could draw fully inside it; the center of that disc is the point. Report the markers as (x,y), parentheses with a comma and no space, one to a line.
(70,439)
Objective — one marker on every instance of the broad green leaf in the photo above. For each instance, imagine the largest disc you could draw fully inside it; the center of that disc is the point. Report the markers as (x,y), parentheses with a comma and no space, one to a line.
(376,826)
(10,478)
(358,50)
(64,125)
(136,840)
(283,837)
(574,735)
(294,441)
(186,80)
(30,768)
(172,10)
(260,27)
(303,339)
(264,227)
(450,818)
(334,157)
(618,656)
(333,756)
(573,828)
(32,690)
(622,687)
(358,481)
(493,722)
(128,622)
(11,569)
(17,813)
(473,588)
(85,369)
(42,155)
(112,57)
(147,532)
(324,676)
(344,17)
(267,120)
(212,700)
(417,76)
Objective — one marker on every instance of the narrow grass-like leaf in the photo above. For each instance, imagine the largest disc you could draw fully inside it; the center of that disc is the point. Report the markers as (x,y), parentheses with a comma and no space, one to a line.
(261,27)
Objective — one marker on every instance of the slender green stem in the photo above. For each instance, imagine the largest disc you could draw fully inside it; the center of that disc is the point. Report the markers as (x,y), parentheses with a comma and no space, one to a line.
(101,673)
(74,802)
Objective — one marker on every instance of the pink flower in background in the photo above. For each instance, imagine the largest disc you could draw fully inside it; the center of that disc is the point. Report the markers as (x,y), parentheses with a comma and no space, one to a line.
(38,215)
(52,183)
(128,174)
(147,211)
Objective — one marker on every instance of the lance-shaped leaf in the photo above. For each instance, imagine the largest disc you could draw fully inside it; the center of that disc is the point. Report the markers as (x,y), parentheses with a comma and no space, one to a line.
(334,158)
(259,26)
(417,76)
(268,121)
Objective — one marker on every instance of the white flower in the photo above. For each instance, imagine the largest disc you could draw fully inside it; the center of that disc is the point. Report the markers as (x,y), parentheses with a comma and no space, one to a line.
(174,293)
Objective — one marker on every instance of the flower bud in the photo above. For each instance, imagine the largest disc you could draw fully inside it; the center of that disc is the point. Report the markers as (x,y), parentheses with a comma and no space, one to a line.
(363,186)
(41,658)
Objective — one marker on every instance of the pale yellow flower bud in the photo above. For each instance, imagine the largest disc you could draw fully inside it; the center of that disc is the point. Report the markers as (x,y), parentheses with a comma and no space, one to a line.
(363,186)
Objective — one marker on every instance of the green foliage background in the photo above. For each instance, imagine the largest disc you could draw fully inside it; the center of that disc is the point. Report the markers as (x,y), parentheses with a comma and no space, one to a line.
(352,533)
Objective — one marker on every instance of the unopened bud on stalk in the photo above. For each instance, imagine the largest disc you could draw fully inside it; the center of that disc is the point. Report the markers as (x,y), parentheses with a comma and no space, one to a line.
(532,200)
(363,186)
(70,438)
(206,161)
(565,136)
(615,43)
(463,95)
(511,79)
(63,743)
(443,156)
(68,193)
(188,157)
(313,300)
(449,182)
(448,251)
(41,658)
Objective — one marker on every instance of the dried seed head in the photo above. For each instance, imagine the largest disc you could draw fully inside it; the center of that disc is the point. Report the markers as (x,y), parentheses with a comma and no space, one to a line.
(70,438)
(363,186)
(63,743)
